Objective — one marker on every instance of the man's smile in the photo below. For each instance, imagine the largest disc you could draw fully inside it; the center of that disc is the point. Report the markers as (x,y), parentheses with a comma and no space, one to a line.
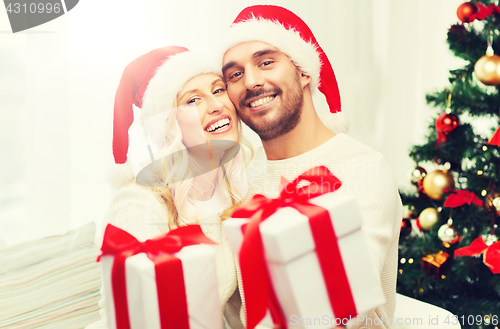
(260,102)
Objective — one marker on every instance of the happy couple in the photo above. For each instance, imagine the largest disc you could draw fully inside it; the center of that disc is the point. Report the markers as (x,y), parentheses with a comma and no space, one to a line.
(196,167)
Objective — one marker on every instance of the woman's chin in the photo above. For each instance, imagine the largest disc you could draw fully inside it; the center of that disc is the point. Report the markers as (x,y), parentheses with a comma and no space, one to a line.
(229,137)
(220,147)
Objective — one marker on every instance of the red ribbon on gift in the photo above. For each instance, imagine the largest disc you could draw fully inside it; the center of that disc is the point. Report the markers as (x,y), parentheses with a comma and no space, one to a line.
(256,286)
(491,254)
(168,269)
(460,197)
(274,306)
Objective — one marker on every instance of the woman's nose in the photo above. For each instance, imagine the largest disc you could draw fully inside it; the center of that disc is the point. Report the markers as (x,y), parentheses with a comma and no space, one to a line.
(215,105)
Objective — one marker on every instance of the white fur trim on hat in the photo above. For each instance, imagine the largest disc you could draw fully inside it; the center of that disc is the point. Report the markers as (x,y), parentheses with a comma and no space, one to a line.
(120,174)
(288,41)
(336,122)
(170,78)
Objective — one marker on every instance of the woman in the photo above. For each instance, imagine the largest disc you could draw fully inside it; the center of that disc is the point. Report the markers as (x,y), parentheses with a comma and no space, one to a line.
(187,173)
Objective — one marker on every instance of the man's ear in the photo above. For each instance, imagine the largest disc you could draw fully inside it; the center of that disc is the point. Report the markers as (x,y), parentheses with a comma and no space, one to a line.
(304,79)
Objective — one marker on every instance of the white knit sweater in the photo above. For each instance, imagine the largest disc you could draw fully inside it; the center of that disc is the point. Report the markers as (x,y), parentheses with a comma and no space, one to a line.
(364,174)
(137,210)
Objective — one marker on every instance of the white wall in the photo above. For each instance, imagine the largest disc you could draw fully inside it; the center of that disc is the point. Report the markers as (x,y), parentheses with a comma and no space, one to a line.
(58,80)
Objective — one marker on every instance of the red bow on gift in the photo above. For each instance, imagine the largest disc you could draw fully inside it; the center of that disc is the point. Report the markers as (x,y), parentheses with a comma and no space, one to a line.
(495,139)
(259,294)
(491,254)
(168,269)
(460,197)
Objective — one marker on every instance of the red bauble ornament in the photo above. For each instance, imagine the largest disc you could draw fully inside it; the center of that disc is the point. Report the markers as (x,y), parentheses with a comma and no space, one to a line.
(465,10)
(417,175)
(405,227)
(446,123)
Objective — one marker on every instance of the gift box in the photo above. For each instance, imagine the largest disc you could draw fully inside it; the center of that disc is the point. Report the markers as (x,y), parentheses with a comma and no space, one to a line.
(436,264)
(166,282)
(306,287)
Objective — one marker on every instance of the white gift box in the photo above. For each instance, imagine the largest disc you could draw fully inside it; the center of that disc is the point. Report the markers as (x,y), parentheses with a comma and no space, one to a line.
(200,280)
(294,267)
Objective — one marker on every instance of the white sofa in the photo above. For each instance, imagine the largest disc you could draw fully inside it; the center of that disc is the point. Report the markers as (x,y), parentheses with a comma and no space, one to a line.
(55,282)
(413,314)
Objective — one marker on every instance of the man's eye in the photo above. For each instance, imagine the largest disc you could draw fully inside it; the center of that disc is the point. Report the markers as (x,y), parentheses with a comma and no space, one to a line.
(235,75)
(266,63)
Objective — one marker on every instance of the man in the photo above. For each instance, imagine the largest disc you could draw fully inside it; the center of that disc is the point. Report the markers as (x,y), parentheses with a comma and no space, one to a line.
(272,64)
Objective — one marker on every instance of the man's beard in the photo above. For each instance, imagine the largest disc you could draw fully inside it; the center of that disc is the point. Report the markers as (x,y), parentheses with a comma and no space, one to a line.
(284,120)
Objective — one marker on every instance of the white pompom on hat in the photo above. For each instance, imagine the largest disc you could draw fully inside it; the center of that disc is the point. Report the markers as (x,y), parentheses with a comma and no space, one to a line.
(284,30)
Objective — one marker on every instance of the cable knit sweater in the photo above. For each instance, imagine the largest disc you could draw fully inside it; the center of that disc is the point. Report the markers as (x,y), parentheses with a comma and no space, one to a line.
(364,174)
(137,210)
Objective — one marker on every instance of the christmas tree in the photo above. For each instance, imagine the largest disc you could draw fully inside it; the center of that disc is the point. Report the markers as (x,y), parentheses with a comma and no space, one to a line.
(449,245)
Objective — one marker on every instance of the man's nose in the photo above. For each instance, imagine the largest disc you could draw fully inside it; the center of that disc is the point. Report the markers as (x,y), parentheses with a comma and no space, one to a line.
(253,79)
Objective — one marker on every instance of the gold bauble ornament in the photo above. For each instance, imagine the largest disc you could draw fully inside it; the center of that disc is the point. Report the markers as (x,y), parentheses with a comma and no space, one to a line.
(428,218)
(487,68)
(496,203)
(492,199)
(436,182)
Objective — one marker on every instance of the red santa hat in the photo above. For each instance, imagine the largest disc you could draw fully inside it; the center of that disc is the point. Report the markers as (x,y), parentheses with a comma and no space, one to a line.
(284,30)
(135,79)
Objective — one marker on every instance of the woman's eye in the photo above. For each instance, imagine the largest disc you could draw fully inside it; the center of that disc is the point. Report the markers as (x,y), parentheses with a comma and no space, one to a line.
(193,100)
(218,91)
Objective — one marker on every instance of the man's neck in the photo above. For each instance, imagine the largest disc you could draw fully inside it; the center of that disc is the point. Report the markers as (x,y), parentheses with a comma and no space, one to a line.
(309,133)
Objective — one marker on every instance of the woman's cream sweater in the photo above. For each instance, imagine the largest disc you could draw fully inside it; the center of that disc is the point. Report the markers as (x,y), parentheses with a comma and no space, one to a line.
(137,210)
